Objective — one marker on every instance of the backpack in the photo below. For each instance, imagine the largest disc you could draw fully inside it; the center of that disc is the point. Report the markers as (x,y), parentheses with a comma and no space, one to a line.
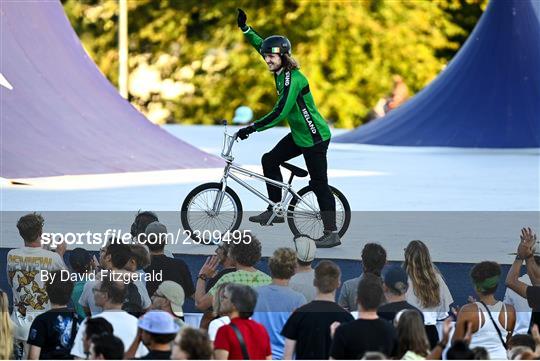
(133,302)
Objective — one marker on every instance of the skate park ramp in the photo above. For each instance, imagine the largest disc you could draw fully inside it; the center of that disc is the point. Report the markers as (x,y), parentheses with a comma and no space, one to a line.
(487,97)
(61,116)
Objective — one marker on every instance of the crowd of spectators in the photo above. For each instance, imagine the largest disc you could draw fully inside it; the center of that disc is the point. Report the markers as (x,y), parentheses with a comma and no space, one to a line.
(300,310)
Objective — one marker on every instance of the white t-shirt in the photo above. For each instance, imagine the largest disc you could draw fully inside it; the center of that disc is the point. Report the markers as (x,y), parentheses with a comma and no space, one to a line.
(523,311)
(215,325)
(432,314)
(27,284)
(87,296)
(124,327)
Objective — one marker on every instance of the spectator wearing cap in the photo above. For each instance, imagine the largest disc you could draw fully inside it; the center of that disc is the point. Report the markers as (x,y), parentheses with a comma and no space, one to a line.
(373,261)
(110,296)
(172,269)
(276,301)
(245,252)
(307,331)
(192,344)
(157,329)
(138,229)
(395,285)
(367,333)
(80,261)
(169,297)
(302,281)
(243,338)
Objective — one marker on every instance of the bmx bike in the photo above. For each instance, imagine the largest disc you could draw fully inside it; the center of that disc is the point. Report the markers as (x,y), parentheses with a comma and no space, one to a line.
(213,210)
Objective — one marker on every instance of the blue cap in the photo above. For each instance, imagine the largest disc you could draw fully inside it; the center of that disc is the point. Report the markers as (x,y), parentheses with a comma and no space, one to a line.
(243,115)
(159,322)
(396,279)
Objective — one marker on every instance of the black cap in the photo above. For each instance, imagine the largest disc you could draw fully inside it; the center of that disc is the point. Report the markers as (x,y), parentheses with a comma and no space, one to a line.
(396,279)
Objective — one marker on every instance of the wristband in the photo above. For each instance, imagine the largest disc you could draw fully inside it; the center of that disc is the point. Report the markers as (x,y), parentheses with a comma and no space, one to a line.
(202,277)
(441,345)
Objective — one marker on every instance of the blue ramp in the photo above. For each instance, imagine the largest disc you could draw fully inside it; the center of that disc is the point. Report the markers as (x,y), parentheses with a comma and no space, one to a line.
(487,97)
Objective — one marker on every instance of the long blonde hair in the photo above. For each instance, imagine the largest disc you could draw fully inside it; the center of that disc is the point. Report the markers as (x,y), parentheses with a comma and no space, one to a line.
(423,274)
(6,329)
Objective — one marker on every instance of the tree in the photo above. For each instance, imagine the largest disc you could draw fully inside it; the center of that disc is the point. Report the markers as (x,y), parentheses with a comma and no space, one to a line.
(190,64)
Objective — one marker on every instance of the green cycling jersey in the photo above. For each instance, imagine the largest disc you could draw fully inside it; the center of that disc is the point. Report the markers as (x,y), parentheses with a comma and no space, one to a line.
(295,103)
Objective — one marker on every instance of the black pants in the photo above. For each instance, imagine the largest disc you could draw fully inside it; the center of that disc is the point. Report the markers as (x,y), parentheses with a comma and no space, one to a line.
(317,166)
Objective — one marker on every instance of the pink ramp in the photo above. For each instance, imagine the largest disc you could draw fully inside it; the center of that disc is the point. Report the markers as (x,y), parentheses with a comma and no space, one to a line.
(61,116)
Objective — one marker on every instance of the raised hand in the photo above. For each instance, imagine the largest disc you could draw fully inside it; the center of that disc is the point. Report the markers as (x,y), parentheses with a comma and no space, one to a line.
(527,244)
(528,236)
(209,267)
(241,19)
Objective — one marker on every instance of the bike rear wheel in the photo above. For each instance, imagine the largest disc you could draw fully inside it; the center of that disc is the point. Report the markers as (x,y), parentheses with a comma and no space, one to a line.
(200,220)
(304,215)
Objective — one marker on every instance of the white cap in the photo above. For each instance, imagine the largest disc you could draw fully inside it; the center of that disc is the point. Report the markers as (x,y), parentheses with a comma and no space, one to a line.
(305,248)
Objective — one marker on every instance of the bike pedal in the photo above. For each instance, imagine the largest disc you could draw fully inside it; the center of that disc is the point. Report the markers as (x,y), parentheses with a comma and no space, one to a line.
(264,224)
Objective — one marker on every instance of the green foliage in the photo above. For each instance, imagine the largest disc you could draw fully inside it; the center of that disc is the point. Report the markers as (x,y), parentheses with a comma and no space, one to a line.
(190,64)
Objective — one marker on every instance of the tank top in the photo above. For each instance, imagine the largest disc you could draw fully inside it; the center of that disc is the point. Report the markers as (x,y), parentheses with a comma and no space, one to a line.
(487,335)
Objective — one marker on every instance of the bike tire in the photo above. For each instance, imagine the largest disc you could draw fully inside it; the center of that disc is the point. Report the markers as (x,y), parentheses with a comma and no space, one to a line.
(345,213)
(186,212)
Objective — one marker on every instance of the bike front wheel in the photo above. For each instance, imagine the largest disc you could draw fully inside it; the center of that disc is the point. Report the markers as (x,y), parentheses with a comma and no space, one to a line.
(208,213)
(304,214)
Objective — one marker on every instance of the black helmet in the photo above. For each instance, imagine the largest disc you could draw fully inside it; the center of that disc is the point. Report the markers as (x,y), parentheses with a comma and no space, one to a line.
(276,44)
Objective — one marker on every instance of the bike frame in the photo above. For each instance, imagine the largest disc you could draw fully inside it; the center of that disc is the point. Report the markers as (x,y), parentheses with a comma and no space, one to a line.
(234,171)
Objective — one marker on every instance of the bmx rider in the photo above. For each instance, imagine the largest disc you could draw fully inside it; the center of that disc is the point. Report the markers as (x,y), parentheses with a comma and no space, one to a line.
(309,136)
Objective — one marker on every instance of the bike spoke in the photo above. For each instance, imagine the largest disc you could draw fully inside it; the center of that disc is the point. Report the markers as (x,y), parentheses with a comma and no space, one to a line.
(310,223)
(201,216)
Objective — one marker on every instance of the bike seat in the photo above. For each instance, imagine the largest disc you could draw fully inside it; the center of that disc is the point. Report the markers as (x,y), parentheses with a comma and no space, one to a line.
(297,171)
